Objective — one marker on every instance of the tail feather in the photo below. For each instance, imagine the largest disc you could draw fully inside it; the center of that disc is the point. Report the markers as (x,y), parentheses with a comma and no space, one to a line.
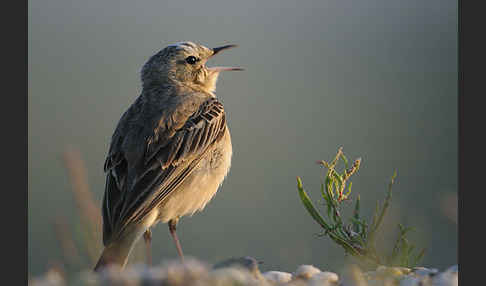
(114,254)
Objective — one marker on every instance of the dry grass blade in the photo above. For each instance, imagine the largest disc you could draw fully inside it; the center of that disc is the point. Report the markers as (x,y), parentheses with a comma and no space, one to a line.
(69,248)
(87,206)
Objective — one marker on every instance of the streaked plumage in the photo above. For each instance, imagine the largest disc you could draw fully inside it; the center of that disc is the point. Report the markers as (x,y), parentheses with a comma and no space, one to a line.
(170,151)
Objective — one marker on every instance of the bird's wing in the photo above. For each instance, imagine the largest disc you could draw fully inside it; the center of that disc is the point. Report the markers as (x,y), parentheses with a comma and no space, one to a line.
(171,155)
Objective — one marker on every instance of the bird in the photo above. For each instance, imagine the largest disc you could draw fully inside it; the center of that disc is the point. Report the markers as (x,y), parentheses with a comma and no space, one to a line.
(169,153)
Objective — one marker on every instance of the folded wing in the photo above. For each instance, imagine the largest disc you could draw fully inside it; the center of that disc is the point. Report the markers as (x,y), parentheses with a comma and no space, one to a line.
(176,147)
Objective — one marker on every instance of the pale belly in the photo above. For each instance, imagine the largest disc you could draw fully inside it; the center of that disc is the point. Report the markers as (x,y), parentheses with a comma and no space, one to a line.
(200,187)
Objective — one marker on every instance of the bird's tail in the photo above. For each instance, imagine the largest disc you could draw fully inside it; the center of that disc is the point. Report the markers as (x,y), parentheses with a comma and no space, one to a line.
(114,254)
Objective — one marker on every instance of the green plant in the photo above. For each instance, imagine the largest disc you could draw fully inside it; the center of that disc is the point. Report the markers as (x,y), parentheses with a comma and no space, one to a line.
(358,237)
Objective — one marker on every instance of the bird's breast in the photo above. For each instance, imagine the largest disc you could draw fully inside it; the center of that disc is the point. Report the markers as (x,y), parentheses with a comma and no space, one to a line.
(200,187)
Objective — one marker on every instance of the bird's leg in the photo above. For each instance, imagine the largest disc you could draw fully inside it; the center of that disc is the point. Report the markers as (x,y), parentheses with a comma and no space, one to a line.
(147,236)
(172,229)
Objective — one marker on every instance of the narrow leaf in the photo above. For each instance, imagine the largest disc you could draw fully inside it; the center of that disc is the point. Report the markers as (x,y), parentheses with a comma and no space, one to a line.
(356,224)
(309,206)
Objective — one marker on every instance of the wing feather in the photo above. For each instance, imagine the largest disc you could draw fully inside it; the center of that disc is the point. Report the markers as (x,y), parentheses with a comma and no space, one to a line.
(170,157)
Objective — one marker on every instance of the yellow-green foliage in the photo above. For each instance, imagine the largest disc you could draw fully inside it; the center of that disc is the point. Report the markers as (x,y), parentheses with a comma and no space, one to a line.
(358,237)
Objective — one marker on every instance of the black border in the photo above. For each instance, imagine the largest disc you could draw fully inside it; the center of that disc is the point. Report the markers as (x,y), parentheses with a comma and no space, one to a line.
(13,202)
(471,64)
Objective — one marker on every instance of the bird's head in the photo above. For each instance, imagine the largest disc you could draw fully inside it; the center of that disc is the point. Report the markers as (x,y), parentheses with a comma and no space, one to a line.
(184,63)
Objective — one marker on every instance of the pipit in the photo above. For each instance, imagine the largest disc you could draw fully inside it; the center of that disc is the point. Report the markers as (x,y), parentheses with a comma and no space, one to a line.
(170,151)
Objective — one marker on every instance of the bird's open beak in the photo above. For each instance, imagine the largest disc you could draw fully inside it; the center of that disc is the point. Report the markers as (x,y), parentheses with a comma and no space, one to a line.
(222,48)
(220,69)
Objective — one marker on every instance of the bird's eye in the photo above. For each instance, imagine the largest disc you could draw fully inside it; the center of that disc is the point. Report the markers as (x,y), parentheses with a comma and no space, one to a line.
(191,60)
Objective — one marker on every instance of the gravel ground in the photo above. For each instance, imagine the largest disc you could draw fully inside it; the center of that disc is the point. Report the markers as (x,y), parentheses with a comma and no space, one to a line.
(245,271)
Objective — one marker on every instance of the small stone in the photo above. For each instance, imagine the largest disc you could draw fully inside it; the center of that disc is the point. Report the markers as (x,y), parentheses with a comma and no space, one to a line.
(422,275)
(277,276)
(422,271)
(113,274)
(186,273)
(381,268)
(410,281)
(324,279)
(450,277)
(232,276)
(306,271)
(404,270)
(353,276)
(247,262)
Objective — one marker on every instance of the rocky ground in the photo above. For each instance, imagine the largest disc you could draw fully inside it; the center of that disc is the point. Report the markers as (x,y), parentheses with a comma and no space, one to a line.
(245,271)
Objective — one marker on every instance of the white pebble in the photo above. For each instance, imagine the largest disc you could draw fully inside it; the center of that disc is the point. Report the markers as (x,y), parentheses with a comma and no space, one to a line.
(277,276)
(230,275)
(447,278)
(306,271)
(324,279)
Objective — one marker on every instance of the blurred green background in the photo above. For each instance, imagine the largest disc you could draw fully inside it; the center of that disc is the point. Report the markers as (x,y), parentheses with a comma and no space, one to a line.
(378,77)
